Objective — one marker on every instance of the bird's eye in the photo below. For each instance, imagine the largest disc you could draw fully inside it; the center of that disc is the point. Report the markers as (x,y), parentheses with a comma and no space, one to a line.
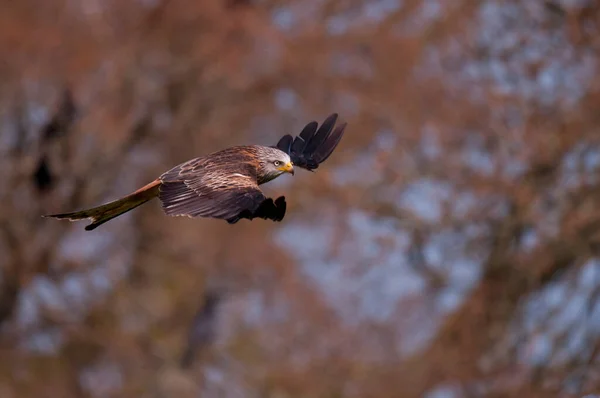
(277,163)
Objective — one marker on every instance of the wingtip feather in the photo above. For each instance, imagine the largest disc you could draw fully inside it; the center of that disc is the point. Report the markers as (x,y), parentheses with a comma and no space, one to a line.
(327,148)
(314,144)
(309,130)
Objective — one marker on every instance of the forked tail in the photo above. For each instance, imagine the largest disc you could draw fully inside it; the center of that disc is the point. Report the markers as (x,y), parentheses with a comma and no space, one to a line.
(101,214)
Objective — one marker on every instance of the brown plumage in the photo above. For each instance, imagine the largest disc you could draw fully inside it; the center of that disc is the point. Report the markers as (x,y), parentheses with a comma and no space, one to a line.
(225,184)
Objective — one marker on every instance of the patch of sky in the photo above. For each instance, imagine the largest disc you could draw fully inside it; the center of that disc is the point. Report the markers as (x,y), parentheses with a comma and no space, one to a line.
(476,156)
(444,252)
(383,277)
(593,320)
(419,330)
(538,352)
(363,169)
(74,287)
(571,310)
(338,25)
(444,391)
(101,379)
(72,296)
(347,103)
(308,245)
(369,275)
(529,240)
(426,198)
(215,375)
(463,274)
(475,230)
(27,310)
(48,294)
(69,298)
(580,164)
(46,342)
(286,98)
(463,204)
(279,310)
(377,10)
(511,43)
(571,159)
(513,168)
(589,275)
(385,140)
(425,15)
(449,299)
(374,248)
(577,342)
(100,279)
(429,145)
(539,304)
(81,248)
(255,312)
(479,161)
(369,12)
(561,307)
(42,295)
(9,134)
(290,18)
(591,160)
(37,114)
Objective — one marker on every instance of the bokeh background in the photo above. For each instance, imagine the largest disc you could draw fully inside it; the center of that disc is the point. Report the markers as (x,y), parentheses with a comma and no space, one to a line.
(448,248)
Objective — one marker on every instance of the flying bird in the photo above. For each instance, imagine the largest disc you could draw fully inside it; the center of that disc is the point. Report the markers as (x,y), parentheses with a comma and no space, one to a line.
(225,184)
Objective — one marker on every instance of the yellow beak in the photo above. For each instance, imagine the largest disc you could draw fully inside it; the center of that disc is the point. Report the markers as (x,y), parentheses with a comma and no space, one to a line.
(287,168)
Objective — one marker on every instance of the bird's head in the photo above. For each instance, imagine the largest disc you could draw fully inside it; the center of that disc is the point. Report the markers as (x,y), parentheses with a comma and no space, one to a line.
(272,163)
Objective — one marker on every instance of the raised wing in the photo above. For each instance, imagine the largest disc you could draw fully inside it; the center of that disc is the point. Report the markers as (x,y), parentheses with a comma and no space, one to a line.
(195,191)
(314,144)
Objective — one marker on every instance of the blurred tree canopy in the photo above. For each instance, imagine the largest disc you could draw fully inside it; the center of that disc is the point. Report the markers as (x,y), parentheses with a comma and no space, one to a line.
(448,248)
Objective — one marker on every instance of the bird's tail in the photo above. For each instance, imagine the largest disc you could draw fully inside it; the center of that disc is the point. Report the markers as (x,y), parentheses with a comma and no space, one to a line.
(101,214)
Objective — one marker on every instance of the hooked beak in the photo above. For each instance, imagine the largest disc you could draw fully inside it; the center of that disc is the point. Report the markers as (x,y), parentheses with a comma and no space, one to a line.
(287,168)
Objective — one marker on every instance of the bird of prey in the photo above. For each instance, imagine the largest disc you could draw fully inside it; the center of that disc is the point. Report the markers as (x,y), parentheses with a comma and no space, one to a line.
(225,184)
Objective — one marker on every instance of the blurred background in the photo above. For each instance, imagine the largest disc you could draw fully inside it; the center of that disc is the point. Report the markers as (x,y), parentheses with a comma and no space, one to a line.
(448,248)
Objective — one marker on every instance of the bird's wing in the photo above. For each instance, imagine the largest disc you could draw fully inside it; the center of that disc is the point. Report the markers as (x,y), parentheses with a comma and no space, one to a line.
(195,190)
(314,144)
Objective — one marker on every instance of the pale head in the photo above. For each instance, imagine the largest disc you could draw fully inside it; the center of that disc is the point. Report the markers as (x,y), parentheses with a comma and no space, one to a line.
(272,163)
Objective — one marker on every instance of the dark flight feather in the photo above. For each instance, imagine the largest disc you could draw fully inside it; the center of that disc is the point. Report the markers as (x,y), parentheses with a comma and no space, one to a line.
(326,149)
(179,199)
(314,144)
(285,143)
(267,210)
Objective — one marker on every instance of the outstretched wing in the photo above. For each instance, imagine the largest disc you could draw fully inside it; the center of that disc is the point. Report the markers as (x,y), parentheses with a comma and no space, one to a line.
(195,189)
(314,144)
